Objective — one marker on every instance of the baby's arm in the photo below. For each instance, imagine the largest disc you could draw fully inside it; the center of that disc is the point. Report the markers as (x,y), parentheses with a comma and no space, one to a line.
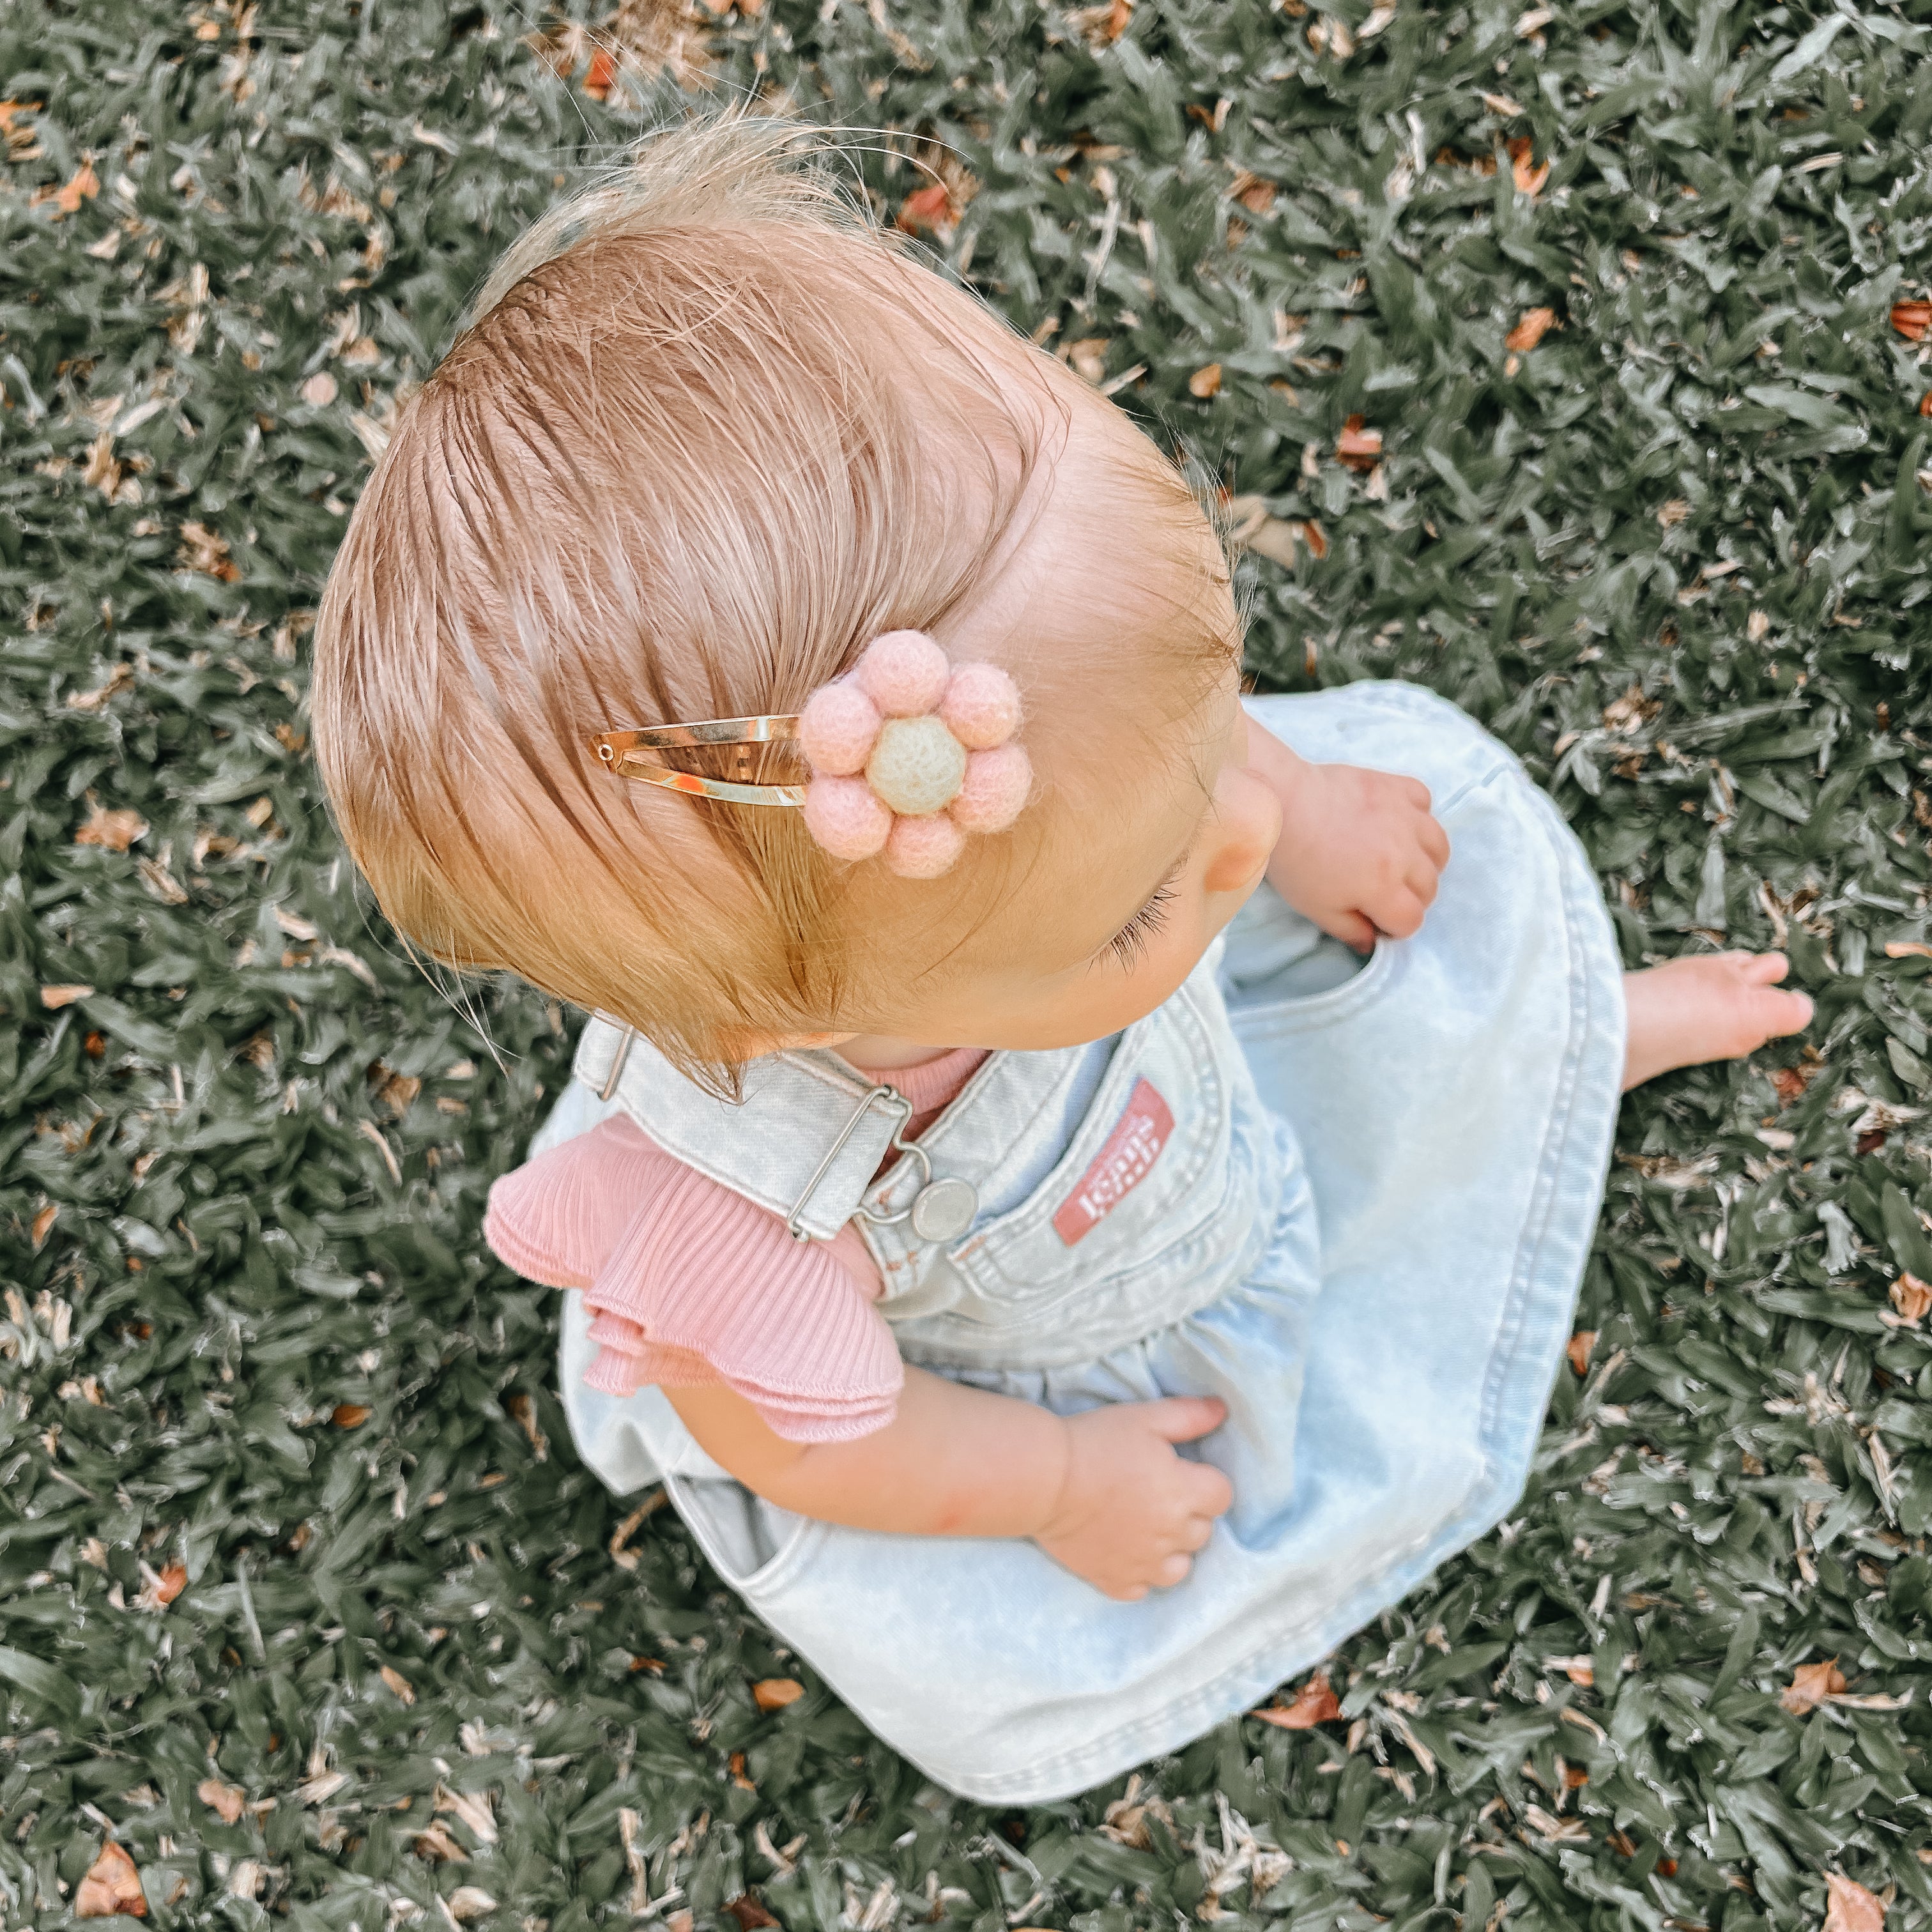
(1103,1492)
(1359,853)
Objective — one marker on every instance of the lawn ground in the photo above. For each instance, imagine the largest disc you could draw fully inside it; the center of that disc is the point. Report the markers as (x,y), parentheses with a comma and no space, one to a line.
(307,1605)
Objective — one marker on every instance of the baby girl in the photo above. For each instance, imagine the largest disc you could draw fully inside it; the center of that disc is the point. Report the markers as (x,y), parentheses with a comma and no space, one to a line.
(1077,1180)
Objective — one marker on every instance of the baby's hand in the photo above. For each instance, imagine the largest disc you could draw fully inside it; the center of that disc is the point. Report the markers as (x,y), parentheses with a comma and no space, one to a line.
(1359,853)
(1130,1512)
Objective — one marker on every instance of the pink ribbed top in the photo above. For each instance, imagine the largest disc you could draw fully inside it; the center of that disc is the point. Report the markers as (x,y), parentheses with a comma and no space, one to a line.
(689,1284)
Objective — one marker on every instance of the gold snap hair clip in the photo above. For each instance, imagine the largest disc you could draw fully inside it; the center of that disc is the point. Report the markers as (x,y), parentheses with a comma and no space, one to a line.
(622,752)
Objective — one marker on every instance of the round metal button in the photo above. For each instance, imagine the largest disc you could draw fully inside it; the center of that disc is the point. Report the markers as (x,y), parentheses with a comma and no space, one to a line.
(942,1210)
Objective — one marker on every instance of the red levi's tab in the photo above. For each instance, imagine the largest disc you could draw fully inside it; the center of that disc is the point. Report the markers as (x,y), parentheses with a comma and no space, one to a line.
(1120,1167)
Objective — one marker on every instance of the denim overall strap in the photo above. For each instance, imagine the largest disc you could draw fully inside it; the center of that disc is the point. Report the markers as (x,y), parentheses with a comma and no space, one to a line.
(805,1140)
(811,1132)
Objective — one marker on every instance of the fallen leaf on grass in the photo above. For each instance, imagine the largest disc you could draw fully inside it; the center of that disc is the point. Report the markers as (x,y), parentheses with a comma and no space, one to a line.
(319,390)
(927,207)
(1360,449)
(116,830)
(1315,1703)
(1205,382)
(1910,1296)
(349,1415)
(602,76)
(1810,1685)
(434,1843)
(159,1588)
(750,1913)
(400,1686)
(469,1901)
(1911,319)
(1581,1343)
(473,1808)
(83,185)
(1500,103)
(224,1800)
(1850,1908)
(112,1885)
(1535,324)
(1907,949)
(55,998)
(203,550)
(1528,177)
(774,1693)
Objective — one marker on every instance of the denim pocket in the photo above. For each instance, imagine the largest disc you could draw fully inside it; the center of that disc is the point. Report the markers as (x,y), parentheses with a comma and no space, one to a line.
(1255,1013)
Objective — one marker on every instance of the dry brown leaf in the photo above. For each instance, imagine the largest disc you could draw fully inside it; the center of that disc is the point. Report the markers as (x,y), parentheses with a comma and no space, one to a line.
(1911,319)
(434,1843)
(55,998)
(1581,1343)
(83,185)
(1910,1296)
(1360,449)
(116,830)
(319,389)
(1529,178)
(1907,949)
(750,1913)
(774,1693)
(1205,381)
(1534,325)
(43,1223)
(203,551)
(1850,1907)
(350,1414)
(1088,357)
(928,207)
(1254,194)
(1673,512)
(170,1583)
(469,1901)
(112,1885)
(223,1799)
(400,1686)
(1810,1684)
(1315,1703)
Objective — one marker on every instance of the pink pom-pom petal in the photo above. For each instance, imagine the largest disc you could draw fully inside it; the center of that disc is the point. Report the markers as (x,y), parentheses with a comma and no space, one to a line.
(994,790)
(922,848)
(838,728)
(904,673)
(981,706)
(847,816)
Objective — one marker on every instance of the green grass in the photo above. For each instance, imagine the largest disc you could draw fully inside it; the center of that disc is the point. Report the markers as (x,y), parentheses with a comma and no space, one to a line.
(1677,557)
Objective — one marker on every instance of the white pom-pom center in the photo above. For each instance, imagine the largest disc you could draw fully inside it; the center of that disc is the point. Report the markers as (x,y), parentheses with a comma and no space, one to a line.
(917,766)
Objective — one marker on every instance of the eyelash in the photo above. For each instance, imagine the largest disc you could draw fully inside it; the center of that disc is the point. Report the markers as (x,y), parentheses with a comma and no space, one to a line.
(1128,944)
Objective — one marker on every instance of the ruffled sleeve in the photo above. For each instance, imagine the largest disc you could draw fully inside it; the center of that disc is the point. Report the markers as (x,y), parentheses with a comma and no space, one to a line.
(689,1284)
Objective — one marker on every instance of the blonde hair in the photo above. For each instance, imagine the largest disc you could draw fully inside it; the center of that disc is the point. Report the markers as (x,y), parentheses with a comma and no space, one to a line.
(710,432)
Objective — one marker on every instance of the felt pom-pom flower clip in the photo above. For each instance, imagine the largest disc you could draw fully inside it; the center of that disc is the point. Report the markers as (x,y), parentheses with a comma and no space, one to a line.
(909,753)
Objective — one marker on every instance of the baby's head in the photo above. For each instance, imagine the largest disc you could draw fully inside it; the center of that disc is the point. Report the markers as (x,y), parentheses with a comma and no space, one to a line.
(710,434)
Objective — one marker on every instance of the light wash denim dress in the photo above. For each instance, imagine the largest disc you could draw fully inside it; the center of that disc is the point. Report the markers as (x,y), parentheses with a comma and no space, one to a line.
(1352,1198)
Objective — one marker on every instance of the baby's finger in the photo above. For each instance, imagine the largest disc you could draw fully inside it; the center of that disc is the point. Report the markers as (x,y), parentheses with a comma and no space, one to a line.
(1424,881)
(1400,914)
(1436,842)
(1181,1418)
(1172,1570)
(1209,1491)
(1198,1532)
(1352,929)
(1416,791)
